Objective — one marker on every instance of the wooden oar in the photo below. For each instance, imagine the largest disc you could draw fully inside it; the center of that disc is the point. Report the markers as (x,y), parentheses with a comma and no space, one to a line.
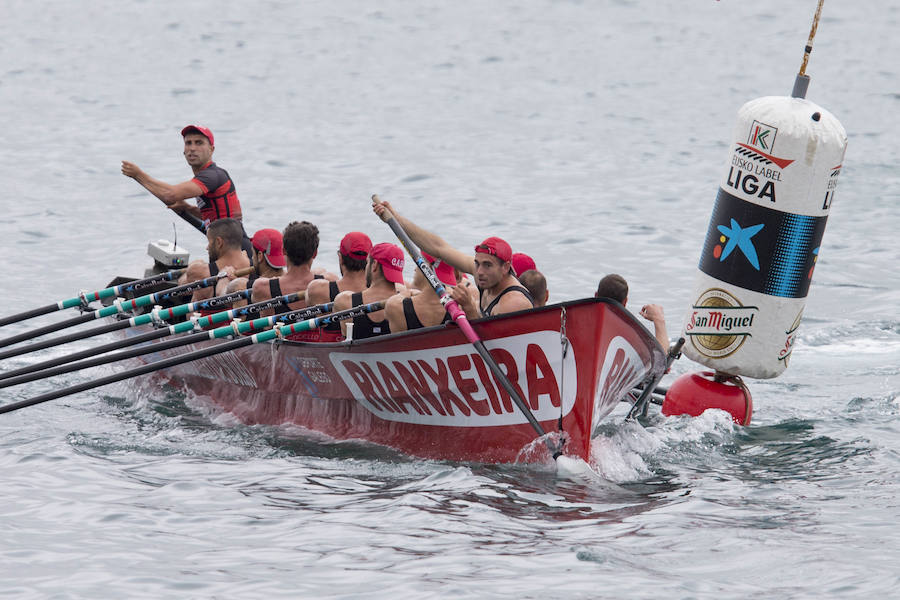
(122,306)
(212,350)
(59,366)
(83,299)
(459,317)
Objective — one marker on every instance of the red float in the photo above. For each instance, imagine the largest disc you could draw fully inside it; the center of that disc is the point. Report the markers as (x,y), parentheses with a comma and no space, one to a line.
(693,393)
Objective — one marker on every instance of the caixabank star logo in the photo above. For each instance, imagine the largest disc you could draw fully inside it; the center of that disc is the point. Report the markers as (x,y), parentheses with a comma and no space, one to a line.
(760,249)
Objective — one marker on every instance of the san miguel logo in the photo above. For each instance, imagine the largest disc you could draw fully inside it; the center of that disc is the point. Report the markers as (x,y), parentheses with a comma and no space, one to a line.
(754,169)
(453,386)
(719,323)
(832,185)
(790,335)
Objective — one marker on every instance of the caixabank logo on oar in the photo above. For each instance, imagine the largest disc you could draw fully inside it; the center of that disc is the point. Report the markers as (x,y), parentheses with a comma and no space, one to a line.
(719,323)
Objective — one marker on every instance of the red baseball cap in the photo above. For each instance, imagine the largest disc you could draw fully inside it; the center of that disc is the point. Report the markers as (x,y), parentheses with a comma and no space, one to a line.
(521,263)
(269,242)
(496,247)
(390,257)
(204,131)
(444,272)
(356,245)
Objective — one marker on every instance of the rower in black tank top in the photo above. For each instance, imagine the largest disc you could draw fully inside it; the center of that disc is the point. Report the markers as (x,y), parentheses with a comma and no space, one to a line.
(486,312)
(333,291)
(275,291)
(363,326)
(214,268)
(412,319)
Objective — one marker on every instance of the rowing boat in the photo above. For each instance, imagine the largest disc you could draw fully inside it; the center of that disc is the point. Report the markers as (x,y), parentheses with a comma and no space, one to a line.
(428,393)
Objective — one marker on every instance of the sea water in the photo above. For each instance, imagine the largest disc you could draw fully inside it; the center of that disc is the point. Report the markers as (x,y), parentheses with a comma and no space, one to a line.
(591,135)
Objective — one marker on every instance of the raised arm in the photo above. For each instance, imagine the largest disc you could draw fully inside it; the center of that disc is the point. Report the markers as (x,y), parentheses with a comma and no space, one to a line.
(654,313)
(427,241)
(173,196)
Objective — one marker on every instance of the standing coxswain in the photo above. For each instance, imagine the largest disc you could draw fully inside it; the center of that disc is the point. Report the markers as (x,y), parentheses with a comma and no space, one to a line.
(211,185)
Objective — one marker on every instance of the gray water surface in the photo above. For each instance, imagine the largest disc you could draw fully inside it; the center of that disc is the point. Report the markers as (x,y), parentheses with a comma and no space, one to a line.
(592,136)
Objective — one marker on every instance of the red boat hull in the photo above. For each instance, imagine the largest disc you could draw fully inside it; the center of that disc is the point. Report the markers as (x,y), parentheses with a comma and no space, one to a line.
(428,392)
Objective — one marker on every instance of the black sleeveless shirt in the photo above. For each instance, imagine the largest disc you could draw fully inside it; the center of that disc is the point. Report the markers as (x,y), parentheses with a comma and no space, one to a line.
(486,312)
(363,326)
(275,291)
(412,319)
(333,291)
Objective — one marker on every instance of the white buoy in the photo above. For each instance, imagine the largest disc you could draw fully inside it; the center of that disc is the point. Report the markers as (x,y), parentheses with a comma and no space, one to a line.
(765,232)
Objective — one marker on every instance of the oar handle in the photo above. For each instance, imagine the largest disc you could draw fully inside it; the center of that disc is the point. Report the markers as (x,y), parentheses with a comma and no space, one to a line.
(194,221)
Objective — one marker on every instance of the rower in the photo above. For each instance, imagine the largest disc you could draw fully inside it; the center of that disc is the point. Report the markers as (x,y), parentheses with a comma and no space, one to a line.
(224,238)
(615,287)
(498,290)
(521,262)
(533,280)
(536,284)
(268,261)
(352,255)
(423,308)
(301,245)
(384,269)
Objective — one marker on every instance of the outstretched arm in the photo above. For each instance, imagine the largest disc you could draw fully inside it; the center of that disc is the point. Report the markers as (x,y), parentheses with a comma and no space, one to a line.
(173,196)
(654,313)
(427,241)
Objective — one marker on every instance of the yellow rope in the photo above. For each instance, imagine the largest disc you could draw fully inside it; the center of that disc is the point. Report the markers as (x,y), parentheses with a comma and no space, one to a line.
(812,34)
